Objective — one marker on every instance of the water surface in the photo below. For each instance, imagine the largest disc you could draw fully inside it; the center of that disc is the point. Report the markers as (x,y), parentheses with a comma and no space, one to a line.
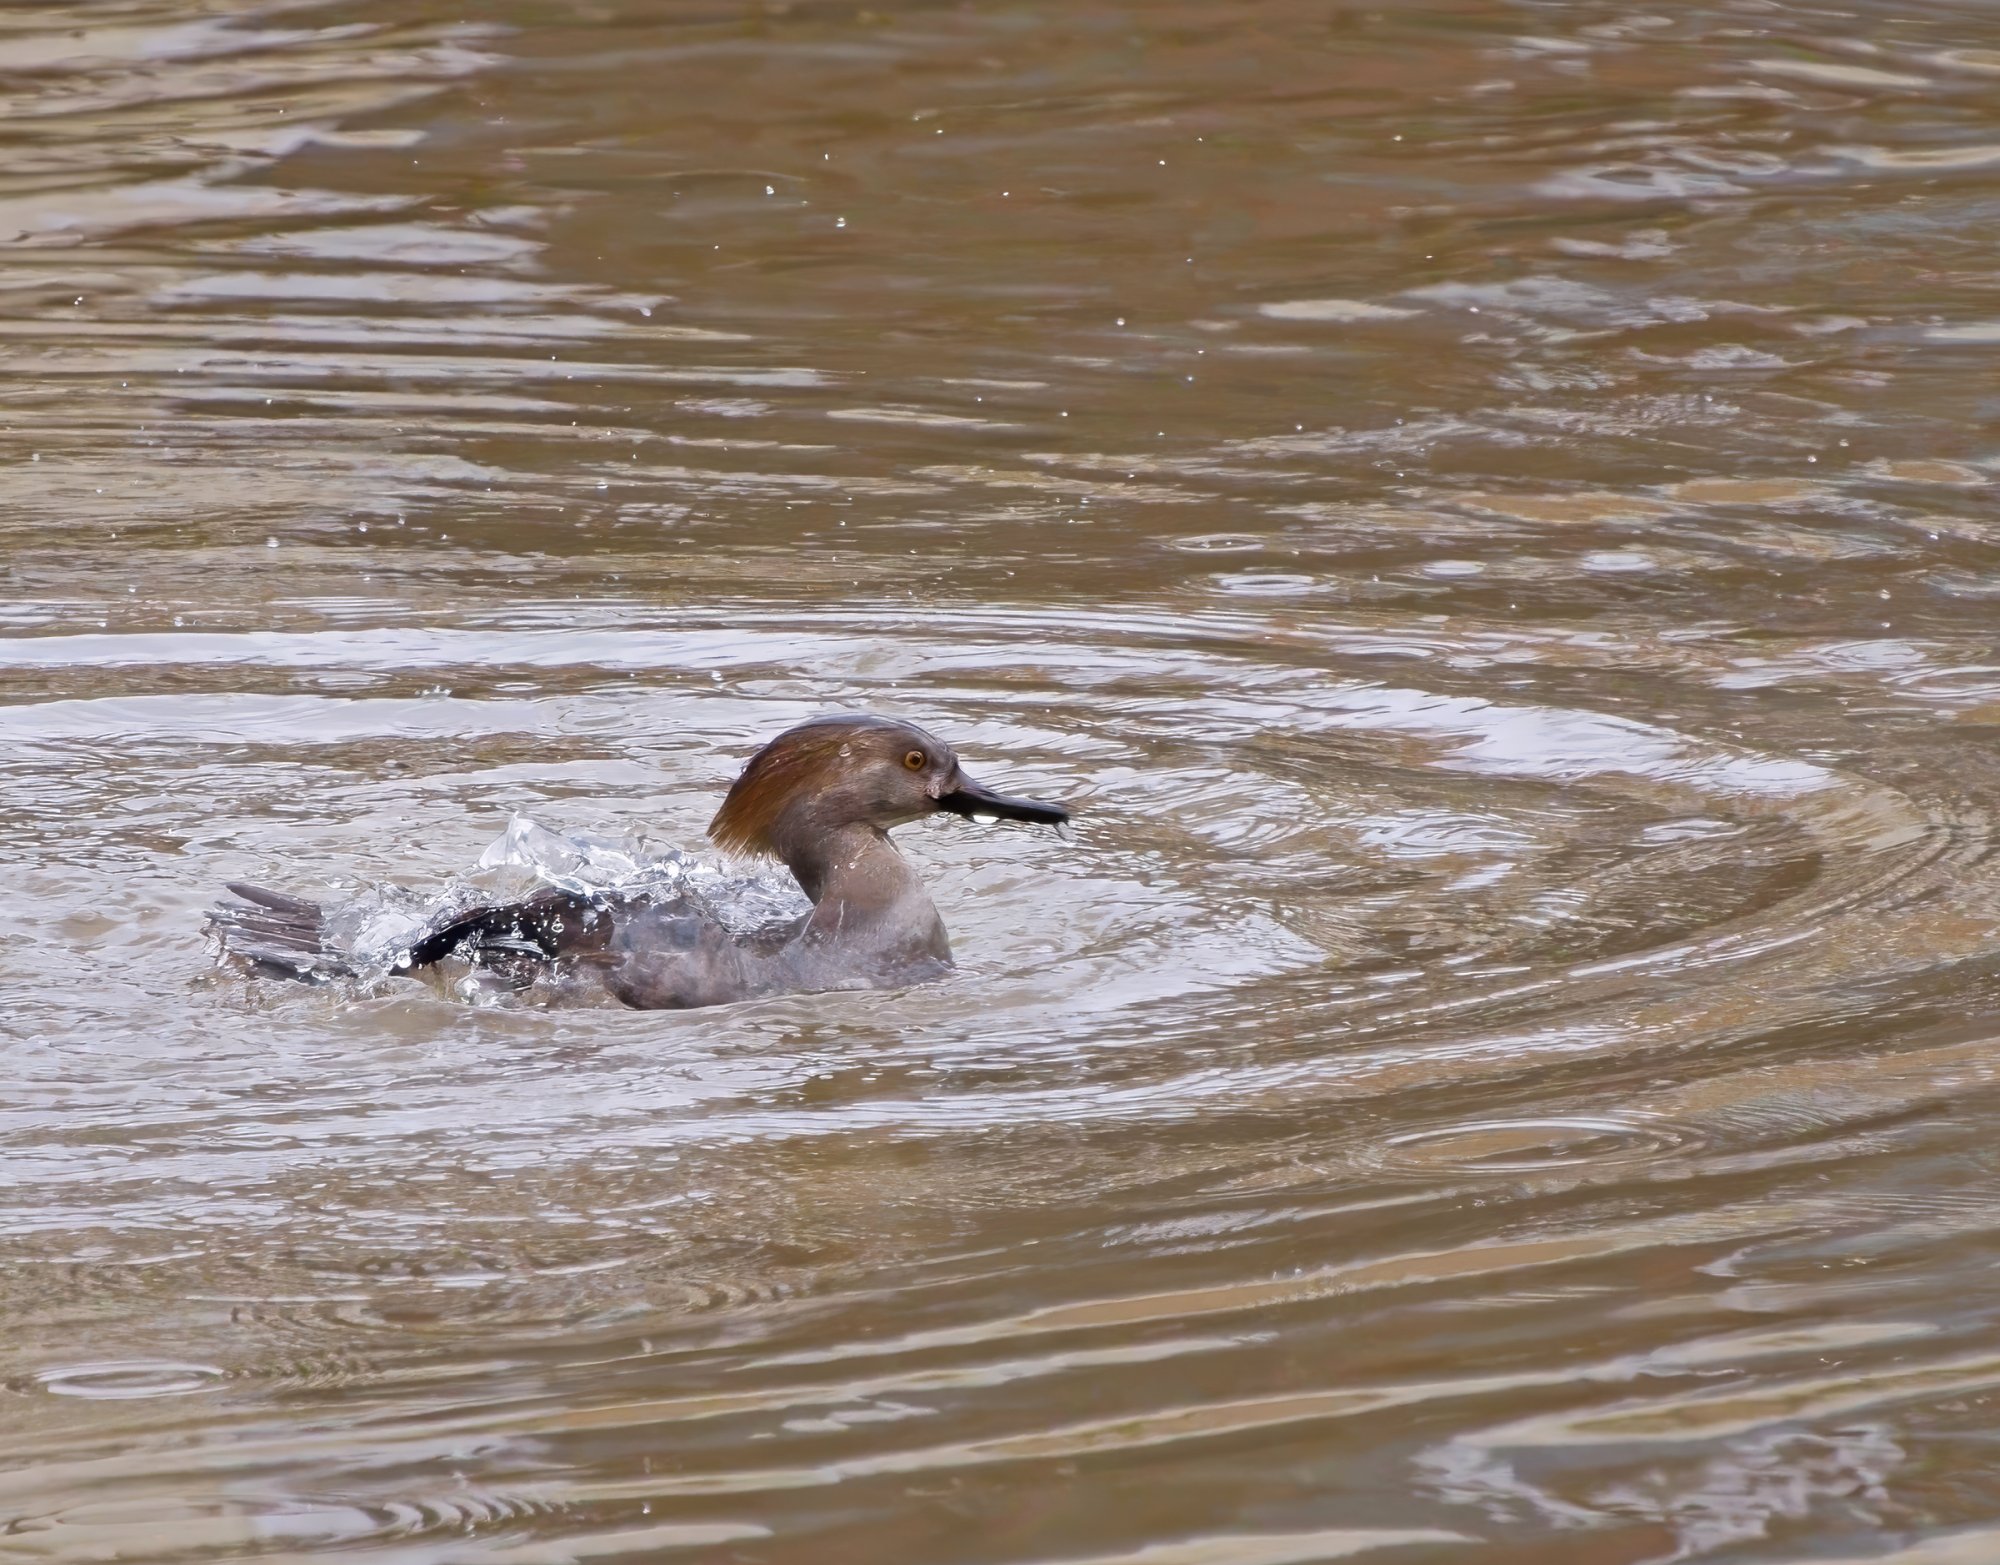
(1485,509)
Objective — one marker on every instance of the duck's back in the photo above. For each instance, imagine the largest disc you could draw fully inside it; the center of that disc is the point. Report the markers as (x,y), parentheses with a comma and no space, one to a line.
(650,951)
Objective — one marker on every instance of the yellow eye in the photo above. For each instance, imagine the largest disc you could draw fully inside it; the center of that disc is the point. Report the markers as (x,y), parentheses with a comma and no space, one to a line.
(915,760)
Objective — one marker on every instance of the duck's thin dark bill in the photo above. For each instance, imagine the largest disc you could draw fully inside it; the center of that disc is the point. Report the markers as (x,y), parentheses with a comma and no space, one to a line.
(971,799)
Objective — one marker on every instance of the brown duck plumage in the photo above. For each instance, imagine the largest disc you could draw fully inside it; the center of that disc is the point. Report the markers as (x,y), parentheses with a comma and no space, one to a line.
(821,798)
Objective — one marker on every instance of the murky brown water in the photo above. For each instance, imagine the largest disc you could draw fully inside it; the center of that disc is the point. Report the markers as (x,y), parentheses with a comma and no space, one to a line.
(1486,508)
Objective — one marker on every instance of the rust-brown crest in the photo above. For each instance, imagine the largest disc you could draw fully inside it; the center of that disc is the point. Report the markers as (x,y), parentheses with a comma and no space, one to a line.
(800,762)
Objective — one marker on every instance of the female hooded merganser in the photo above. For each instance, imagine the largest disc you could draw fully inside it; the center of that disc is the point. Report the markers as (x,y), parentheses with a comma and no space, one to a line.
(820,798)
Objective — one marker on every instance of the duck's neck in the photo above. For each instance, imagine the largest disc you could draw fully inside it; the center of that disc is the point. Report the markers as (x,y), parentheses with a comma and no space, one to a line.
(865,895)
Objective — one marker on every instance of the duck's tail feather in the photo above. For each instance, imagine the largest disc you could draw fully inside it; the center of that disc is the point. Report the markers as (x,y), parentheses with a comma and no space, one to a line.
(281,935)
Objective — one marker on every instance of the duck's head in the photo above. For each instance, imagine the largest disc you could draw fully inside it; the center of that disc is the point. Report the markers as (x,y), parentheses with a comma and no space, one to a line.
(832,773)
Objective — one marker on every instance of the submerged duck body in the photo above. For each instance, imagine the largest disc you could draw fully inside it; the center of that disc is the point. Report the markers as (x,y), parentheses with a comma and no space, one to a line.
(821,798)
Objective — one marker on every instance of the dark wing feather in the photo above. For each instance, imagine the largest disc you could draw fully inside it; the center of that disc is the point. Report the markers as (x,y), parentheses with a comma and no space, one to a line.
(553,924)
(286,936)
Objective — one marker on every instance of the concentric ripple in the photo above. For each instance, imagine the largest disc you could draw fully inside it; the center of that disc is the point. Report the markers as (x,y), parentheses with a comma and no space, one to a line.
(117,1381)
(1528,1146)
